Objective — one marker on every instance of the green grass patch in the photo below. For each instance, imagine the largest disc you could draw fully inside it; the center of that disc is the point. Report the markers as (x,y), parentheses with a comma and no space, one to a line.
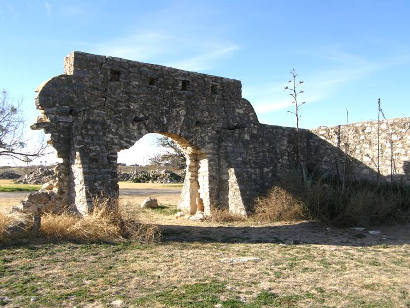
(18,187)
(189,295)
(167,210)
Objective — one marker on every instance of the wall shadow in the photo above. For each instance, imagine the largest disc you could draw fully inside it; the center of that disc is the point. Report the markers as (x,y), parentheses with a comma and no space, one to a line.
(291,234)
(322,160)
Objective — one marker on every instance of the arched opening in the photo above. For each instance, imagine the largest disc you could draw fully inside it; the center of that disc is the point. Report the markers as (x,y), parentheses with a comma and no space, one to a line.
(194,196)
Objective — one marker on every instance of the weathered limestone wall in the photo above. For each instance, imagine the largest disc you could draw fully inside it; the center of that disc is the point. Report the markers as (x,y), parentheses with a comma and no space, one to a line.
(101,105)
(382,147)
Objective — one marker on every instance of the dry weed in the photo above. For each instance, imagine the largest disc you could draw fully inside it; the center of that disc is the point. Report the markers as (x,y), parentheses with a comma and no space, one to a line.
(279,205)
(104,224)
(58,226)
(223,215)
(5,221)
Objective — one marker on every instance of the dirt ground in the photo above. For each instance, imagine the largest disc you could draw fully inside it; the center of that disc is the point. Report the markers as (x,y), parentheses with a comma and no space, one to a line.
(208,264)
(248,231)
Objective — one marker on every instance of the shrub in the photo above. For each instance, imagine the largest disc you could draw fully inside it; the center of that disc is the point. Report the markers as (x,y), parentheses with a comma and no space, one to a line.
(279,205)
(358,203)
(329,201)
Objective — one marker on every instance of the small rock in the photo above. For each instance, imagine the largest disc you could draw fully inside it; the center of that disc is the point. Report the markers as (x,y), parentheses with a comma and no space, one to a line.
(240,260)
(4,300)
(117,303)
(150,203)
(179,214)
(218,306)
(374,232)
(198,216)
(33,299)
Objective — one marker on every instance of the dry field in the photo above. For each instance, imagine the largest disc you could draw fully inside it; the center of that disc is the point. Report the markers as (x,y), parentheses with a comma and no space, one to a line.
(209,264)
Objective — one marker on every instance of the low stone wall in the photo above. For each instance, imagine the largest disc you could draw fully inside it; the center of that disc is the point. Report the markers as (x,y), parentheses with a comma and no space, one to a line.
(378,150)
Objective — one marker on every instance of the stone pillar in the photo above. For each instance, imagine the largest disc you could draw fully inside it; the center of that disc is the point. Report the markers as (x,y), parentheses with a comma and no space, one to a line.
(94,177)
(236,205)
(203,181)
(190,201)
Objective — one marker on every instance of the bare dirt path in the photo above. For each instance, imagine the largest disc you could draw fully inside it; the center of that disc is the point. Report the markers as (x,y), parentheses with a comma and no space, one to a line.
(131,192)
(123,192)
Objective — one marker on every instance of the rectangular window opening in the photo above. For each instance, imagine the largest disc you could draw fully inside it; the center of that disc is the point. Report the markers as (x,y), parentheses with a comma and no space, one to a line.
(184,85)
(115,75)
(152,81)
(214,89)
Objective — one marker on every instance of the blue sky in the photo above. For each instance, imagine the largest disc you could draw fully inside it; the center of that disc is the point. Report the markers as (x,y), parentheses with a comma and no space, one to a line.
(349,53)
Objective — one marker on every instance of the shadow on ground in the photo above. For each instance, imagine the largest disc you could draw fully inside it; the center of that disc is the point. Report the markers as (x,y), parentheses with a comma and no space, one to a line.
(298,233)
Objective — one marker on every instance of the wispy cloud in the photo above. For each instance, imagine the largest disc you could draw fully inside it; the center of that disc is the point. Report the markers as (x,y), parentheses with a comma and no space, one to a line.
(183,52)
(205,60)
(142,46)
(182,36)
(344,68)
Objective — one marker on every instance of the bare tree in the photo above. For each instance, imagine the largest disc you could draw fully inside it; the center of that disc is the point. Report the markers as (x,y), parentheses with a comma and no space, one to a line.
(174,157)
(294,91)
(12,143)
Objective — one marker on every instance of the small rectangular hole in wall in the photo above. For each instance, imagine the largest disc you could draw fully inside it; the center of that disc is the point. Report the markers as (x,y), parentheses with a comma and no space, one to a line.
(184,85)
(214,89)
(115,75)
(152,81)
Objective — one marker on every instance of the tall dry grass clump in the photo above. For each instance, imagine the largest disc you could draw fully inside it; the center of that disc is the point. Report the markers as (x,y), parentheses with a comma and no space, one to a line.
(224,216)
(334,202)
(104,224)
(358,203)
(279,205)
(5,221)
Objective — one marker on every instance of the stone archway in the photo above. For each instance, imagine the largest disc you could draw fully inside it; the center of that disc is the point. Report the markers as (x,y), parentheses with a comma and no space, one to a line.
(194,194)
(101,105)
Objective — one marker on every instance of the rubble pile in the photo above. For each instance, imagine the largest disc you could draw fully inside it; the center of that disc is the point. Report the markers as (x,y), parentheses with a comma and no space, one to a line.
(9,175)
(152,176)
(44,175)
(38,176)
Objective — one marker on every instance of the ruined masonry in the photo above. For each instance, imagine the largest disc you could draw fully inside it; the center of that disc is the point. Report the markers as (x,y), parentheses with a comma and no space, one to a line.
(102,105)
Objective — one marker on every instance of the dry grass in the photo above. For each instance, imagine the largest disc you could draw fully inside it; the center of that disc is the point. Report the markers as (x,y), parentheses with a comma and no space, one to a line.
(180,274)
(224,216)
(330,201)
(5,220)
(104,224)
(300,265)
(279,205)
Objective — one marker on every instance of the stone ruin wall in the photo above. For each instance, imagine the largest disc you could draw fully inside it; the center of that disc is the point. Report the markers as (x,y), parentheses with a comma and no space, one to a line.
(374,146)
(101,105)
